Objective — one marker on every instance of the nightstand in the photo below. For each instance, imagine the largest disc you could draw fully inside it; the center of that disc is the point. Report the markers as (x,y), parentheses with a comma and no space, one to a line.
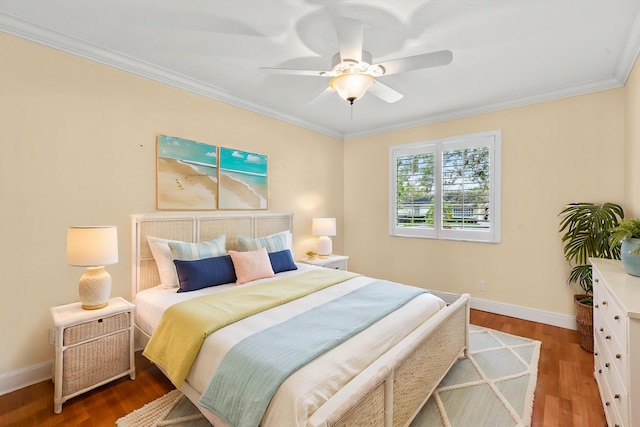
(92,347)
(338,262)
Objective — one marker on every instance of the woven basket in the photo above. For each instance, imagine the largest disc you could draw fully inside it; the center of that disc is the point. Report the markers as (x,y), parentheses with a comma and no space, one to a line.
(584,317)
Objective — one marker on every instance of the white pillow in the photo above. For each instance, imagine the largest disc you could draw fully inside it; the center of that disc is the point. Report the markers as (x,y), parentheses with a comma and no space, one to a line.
(164,259)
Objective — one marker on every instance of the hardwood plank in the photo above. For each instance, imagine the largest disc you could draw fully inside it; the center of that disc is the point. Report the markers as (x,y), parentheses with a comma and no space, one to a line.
(566,393)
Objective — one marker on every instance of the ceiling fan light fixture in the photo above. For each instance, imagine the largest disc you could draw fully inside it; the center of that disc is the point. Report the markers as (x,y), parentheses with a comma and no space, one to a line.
(351,86)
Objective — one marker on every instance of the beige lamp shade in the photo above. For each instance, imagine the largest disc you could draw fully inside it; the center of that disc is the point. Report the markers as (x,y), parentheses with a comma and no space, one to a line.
(351,86)
(324,227)
(93,247)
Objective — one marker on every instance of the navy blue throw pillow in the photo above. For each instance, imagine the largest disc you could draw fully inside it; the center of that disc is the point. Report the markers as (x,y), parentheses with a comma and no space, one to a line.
(282,261)
(204,273)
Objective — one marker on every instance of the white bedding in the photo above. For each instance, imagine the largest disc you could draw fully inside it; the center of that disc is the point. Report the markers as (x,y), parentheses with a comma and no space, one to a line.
(308,388)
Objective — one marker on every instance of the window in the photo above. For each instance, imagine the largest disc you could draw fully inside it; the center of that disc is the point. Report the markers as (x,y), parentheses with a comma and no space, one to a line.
(447,188)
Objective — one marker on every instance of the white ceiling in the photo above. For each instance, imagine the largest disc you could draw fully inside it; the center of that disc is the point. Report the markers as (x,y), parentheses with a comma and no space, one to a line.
(505,52)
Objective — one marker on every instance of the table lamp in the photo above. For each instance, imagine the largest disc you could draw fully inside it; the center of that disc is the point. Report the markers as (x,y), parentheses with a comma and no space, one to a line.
(93,247)
(324,227)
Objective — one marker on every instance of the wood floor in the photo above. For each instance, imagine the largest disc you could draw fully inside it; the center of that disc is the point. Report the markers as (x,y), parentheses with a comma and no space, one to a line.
(566,393)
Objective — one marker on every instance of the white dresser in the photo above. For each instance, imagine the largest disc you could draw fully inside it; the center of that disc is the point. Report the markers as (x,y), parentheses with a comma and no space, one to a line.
(616,343)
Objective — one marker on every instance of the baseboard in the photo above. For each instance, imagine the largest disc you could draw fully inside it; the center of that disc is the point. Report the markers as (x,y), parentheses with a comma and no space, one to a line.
(20,378)
(526,313)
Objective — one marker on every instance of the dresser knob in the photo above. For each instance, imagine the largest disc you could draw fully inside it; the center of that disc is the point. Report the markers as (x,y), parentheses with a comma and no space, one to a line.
(601,329)
(608,403)
(596,306)
(604,303)
(616,396)
(608,337)
(616,317)
(606,365)
(595,354)
(599,371)
(597,280)
(618,356)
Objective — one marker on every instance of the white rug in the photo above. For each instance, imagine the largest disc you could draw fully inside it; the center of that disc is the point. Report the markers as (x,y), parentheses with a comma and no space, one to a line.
(493,388)
(172,409)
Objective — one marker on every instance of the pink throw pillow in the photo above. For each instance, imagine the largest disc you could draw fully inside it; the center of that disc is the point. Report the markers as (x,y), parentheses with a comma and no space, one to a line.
(251,265)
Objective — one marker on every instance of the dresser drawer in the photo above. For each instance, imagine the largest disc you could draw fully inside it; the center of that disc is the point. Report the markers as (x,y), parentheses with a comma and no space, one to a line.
(610,315)
(95,361)
(95,328)
(614,394)
(336,265)
(611,352)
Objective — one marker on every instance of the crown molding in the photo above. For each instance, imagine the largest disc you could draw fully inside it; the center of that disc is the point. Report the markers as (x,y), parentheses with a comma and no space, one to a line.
(29,31)
(609,82)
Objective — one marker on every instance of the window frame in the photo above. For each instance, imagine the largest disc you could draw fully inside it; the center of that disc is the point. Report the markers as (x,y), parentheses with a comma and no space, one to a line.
(491,139)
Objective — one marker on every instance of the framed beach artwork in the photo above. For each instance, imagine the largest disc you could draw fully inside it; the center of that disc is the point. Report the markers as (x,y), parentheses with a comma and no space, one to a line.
(243,180)
(186,174)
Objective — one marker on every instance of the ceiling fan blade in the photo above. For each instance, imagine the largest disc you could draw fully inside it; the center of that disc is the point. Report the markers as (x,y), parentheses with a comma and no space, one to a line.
(350,33)
(293,71)
(384,92)
(410,63)
(324,93)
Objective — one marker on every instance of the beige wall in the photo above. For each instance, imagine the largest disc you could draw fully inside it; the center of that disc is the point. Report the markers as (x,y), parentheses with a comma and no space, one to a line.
(553,153)
(632,143)
(78,148)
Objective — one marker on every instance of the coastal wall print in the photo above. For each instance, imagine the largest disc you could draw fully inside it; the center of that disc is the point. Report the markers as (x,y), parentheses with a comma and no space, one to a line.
(243,180)
(186,174)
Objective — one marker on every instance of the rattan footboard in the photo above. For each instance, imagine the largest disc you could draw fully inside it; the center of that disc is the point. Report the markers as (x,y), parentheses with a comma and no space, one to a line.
(403,378)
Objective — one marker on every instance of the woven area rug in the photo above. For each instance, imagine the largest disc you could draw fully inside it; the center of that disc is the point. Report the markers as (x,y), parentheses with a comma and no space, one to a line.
(493,387)
(172,409)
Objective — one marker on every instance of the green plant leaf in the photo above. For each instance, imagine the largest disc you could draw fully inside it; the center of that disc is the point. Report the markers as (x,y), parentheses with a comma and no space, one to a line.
(627,229)
(587,233)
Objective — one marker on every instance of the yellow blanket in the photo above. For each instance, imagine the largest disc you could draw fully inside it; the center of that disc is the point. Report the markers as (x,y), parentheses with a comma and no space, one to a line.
(183,327)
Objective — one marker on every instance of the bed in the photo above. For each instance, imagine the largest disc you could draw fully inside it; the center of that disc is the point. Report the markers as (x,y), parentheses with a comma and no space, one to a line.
(408,351)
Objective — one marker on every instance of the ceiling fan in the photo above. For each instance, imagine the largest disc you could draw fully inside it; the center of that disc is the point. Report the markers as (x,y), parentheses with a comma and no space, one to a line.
(353,71)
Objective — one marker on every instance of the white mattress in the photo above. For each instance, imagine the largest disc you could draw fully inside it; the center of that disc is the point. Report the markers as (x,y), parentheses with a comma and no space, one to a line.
(308,388)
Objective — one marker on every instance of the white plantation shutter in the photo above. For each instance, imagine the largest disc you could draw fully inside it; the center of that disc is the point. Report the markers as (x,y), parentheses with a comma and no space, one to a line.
(447,189)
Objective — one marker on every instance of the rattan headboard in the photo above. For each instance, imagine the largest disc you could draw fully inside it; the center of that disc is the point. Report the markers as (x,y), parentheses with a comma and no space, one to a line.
(194,228)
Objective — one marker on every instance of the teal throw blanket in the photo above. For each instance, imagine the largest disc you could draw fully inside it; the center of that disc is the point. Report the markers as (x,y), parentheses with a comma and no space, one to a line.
(248,376)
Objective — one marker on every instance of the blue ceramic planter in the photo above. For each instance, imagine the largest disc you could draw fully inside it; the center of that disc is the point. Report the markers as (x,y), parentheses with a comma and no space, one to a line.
(630,261)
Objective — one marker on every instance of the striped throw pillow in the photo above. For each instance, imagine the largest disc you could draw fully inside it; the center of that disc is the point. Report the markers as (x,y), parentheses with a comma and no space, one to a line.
(273,243)
(194,251)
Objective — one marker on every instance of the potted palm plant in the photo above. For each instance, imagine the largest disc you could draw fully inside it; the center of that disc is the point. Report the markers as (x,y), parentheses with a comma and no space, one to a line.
(586,233)
(627,236)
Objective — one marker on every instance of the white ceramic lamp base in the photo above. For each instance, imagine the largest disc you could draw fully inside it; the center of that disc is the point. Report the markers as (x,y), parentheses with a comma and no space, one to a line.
(325,246)
(94,288)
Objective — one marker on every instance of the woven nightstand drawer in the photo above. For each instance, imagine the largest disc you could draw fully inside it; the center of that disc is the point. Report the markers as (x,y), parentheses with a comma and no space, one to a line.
(95,361)
(95,328)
